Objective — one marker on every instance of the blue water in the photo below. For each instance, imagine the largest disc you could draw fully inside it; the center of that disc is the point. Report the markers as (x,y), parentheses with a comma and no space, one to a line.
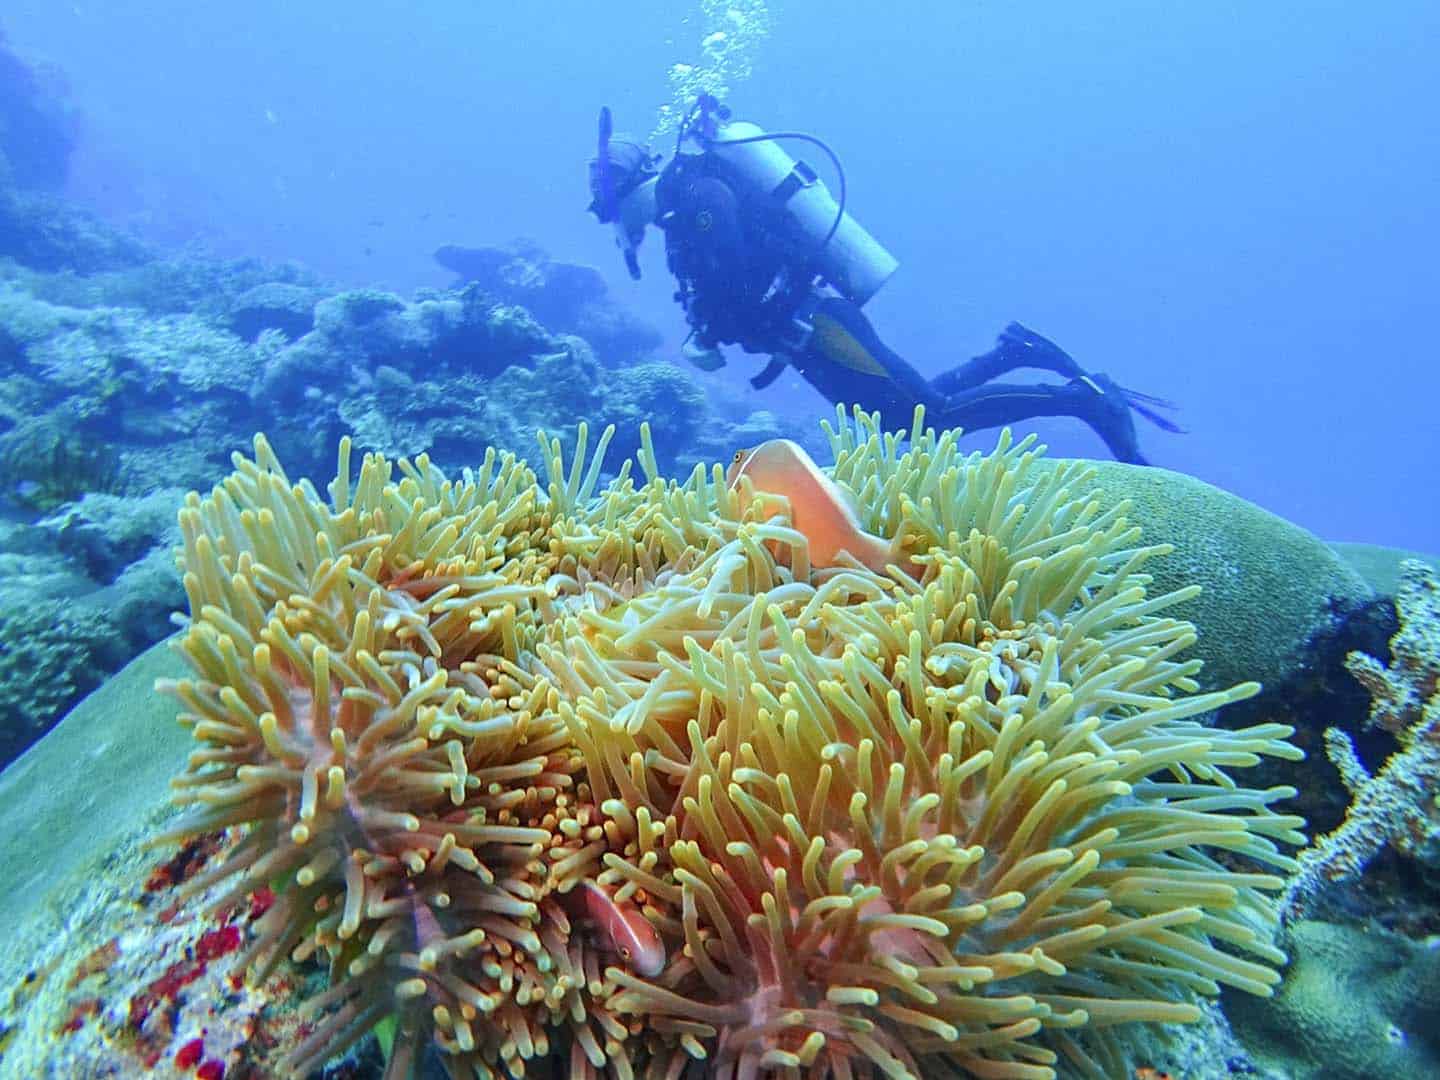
(1231,204)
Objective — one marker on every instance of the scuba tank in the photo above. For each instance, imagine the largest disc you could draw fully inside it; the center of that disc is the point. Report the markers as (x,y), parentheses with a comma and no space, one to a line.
(847,256)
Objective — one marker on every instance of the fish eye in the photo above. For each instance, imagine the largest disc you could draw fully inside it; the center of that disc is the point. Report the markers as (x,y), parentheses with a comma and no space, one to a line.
(738,455)
(624,952)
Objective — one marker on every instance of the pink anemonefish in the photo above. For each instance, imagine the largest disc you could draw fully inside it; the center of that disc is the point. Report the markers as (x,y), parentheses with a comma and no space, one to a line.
(818,506)
(624,930)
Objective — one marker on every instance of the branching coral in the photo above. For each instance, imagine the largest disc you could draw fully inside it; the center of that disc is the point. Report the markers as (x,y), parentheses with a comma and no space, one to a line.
(1398,805)
(954,818)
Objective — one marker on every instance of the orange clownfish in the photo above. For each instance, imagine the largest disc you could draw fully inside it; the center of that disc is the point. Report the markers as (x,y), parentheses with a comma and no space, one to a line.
(624,930)
(818,506)
(1148,1072)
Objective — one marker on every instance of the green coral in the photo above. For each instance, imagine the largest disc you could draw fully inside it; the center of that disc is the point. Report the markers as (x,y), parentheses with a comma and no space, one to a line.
(53,656)
(113,350)
(1357,1003)
(1379,565)
(47,463)
(1269,586)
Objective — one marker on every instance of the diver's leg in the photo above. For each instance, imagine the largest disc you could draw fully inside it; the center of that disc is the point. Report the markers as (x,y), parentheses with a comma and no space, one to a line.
(1016,347)
(853,320)
(847,362)
(1092,398)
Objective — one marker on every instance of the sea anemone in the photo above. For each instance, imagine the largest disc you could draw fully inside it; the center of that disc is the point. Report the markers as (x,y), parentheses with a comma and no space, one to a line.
(908,826)
(361,709)
(957,818)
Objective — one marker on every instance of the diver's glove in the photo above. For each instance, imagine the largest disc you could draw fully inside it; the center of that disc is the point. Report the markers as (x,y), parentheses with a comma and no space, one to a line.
(704,357)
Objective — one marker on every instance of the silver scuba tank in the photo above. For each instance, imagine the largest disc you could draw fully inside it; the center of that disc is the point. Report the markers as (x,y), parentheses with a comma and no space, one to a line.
(853,261)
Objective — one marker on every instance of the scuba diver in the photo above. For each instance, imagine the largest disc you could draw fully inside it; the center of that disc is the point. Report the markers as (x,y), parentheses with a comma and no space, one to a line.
(766,259)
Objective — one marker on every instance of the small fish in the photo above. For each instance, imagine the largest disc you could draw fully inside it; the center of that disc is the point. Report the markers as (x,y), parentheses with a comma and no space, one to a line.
(818,507)
(628,933)
(1149,1072)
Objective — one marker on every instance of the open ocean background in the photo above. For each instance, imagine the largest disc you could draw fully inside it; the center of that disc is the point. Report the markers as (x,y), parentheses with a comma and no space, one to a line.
(1232,204)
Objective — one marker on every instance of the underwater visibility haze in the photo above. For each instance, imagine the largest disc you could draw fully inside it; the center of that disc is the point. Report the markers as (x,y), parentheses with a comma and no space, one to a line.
(480,599)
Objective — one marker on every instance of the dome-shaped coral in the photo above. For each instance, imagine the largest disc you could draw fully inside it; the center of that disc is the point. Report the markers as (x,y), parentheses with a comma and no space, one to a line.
(955,819)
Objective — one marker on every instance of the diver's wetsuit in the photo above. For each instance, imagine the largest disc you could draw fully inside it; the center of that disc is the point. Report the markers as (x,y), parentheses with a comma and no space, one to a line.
(741,282)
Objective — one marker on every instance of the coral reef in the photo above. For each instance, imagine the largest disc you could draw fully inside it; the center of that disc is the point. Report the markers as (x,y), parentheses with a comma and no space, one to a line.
(1380,566)
(136,387)
(567,298)
(56,642)
(82,593)
(140,370)
(1273,586)
(275,305)
(37,126)
(195,284)
(85,588)
(1399,805)
(1357,1003)
(42,232)
(47,463)
(107,534)
(56,651)
(959,818)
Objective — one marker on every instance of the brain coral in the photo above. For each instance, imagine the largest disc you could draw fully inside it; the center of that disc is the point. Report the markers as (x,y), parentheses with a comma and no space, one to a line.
(488,737)
(1271,586)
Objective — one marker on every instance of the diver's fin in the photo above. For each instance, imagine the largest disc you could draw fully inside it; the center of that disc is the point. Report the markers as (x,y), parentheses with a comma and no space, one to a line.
(1038,351)
(1146,404)
(1164,423)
